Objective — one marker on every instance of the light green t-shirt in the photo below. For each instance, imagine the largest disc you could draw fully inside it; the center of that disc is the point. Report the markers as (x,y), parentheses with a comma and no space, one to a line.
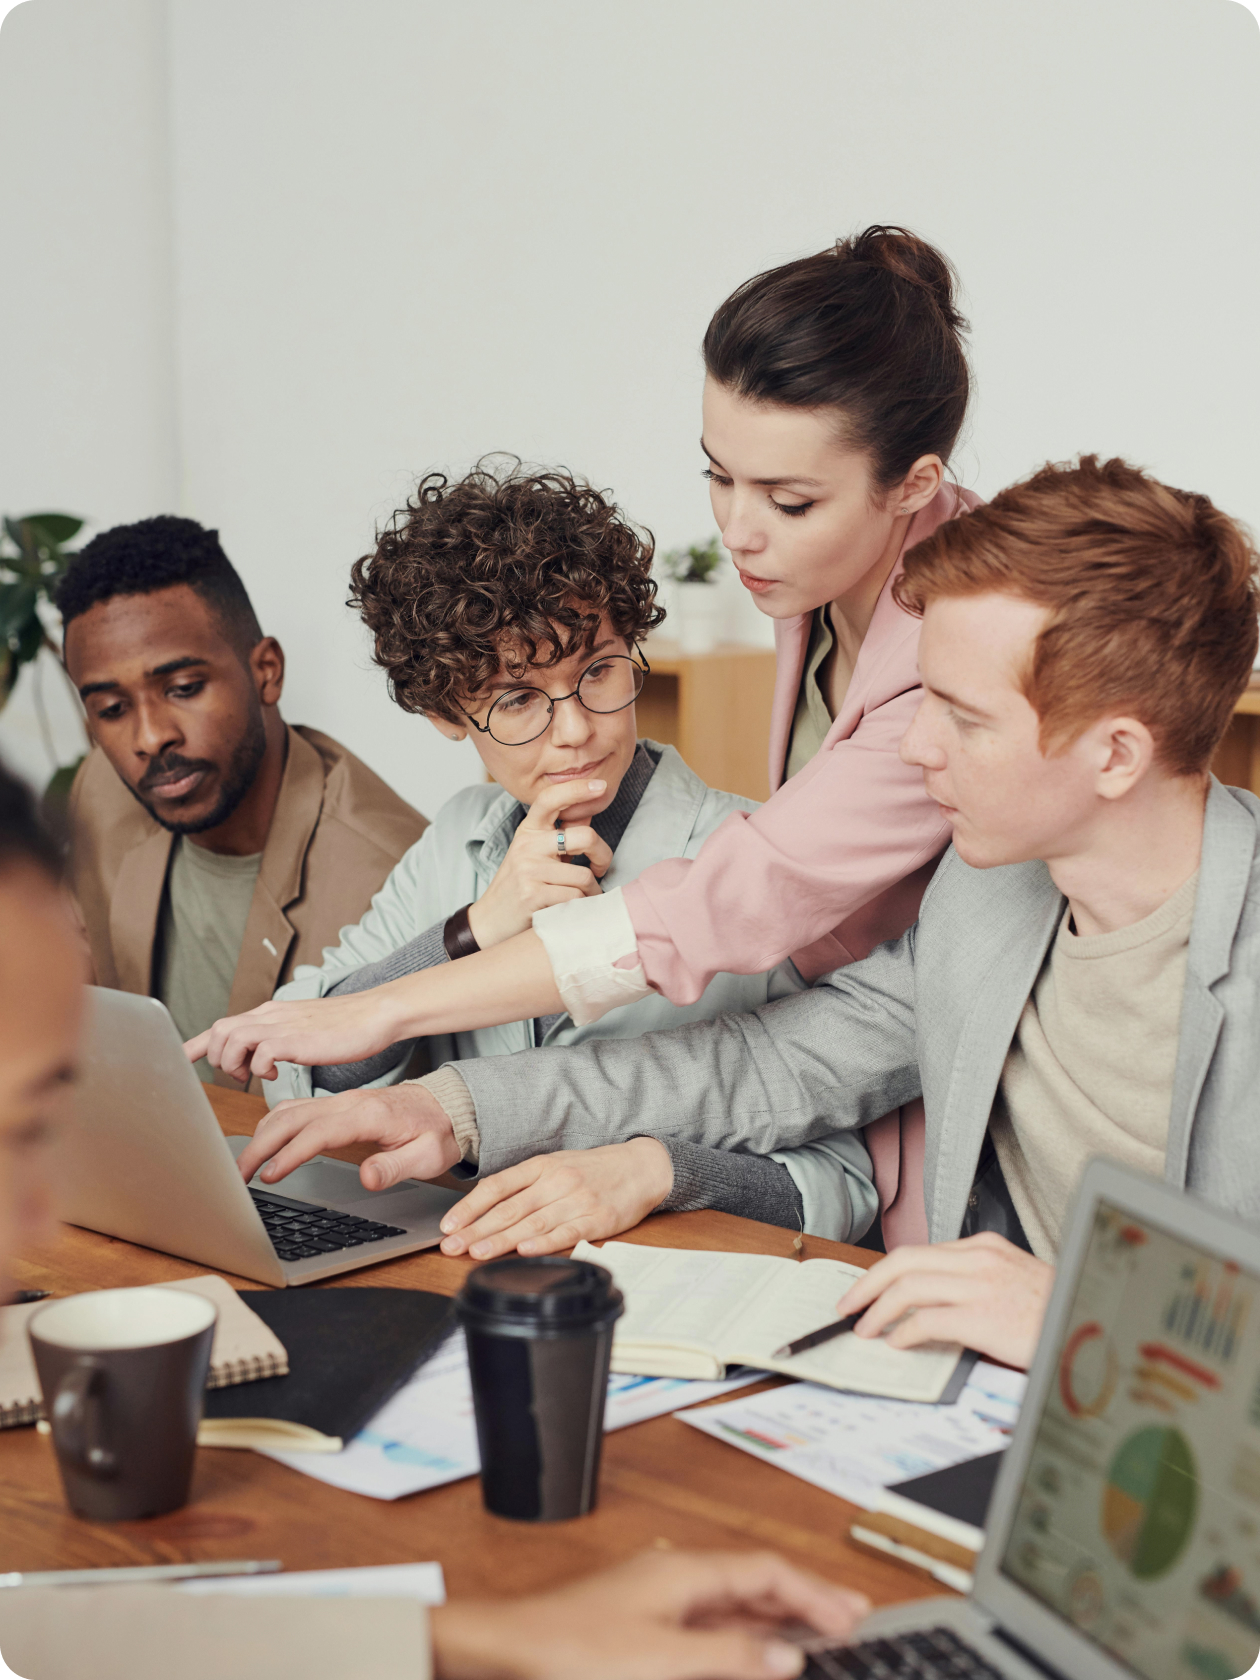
(811,720)
(201,924)
(1090,1069)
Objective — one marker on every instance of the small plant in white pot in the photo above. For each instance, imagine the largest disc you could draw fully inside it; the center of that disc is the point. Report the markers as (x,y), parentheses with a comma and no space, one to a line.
(693,572)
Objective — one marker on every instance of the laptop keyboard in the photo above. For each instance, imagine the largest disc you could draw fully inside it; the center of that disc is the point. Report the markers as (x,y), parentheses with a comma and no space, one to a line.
(933,1654)
(300,1230)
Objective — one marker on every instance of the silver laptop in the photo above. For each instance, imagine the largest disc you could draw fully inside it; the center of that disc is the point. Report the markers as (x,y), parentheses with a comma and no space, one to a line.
(145,1159)
(1124,1533)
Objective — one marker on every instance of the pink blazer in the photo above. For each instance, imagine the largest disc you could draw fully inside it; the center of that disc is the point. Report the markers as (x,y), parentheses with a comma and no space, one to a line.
(835,862)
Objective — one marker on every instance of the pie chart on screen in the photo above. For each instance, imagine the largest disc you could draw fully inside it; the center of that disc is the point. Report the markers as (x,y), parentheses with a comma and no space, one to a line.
(1150,1501)
(1087,1371)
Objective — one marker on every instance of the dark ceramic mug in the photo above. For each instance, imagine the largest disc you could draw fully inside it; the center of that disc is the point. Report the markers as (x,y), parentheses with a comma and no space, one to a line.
(123,1373)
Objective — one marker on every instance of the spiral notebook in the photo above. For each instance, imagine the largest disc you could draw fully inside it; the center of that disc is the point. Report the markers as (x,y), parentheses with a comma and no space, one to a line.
(245,1349)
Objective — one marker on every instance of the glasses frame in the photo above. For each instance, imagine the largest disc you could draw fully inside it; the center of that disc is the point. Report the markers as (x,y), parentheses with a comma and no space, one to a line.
(637,658)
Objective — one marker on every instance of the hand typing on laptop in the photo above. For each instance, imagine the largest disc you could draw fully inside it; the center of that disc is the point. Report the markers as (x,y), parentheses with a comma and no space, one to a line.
(981,1291)
(411,1126)
(540,1206)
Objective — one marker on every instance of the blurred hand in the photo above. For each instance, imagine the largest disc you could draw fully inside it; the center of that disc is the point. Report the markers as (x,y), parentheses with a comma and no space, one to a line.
(410,1125)
(663,1616)
(533,875)
(314,1032)
(981,1291)
(550,1202)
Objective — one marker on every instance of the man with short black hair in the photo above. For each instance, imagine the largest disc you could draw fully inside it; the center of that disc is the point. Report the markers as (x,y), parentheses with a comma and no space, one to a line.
(216,847)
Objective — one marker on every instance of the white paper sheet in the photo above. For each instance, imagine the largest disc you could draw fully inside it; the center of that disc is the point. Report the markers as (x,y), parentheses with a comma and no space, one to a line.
(853,1445)
(422,1581)
(426,1435)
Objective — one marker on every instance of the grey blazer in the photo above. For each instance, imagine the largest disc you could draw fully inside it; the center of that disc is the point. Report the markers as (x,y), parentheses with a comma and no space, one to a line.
(930,1014)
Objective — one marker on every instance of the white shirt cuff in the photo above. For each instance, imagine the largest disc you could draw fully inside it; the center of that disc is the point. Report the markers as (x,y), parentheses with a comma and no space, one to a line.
(584,940)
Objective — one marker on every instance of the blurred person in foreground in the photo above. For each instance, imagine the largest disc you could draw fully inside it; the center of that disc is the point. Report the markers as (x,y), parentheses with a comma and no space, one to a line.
(1083,974)
(215,845)
(672,1616)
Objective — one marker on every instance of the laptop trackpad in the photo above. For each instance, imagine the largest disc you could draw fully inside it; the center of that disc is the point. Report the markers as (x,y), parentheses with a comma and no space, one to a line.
(337,1184)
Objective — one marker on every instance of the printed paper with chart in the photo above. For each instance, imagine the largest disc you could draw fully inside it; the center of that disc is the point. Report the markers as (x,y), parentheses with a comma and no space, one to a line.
(854,1445)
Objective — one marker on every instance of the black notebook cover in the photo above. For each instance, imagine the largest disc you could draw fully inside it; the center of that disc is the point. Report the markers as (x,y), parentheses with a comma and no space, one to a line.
(962,1491)
(349,1351)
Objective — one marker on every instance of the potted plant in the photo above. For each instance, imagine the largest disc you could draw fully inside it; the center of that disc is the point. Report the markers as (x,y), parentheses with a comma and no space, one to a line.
(693,572)
(33,560)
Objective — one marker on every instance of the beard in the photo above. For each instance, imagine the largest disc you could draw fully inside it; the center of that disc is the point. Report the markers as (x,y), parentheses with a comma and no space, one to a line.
(238,778)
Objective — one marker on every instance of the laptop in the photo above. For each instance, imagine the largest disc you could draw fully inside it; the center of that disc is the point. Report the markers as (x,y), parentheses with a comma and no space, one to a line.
(1124,1532)
(144,1158)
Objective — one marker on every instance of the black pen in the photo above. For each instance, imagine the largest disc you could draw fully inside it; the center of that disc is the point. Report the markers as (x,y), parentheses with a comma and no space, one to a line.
(24,1297)
(817,1337)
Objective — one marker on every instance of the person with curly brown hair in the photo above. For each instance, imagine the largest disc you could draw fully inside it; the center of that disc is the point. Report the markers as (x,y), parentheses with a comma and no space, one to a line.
(509,606)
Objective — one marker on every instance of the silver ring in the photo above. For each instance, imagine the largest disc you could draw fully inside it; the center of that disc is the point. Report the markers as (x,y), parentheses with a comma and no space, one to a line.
(562,844)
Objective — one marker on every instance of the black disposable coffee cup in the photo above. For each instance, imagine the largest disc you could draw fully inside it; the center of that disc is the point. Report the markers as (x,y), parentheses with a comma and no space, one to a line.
(539,1344)
(123,1373)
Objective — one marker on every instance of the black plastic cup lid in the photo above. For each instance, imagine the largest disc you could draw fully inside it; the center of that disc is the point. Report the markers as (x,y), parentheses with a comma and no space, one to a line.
(548,1291)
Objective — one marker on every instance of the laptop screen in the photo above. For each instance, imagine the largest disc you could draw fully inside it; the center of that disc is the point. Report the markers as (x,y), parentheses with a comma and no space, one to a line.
(1139,1518)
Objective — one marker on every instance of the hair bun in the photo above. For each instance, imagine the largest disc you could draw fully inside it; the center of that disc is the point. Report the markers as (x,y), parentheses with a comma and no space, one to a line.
(905,255)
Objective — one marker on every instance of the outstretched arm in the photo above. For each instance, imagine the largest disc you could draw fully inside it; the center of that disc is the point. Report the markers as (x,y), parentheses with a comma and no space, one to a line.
(512,982)
(831,1058)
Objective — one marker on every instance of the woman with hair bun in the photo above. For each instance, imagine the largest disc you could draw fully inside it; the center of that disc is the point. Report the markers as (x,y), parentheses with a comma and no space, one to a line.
(836,387)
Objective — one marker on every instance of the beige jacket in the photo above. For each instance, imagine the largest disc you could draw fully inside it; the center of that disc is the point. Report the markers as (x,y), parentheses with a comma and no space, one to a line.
(337,832)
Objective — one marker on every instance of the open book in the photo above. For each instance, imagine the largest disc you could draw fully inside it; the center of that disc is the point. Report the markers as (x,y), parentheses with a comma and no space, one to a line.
(691,1313)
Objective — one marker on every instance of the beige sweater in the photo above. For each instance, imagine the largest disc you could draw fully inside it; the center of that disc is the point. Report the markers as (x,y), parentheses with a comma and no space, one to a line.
(1090,1069)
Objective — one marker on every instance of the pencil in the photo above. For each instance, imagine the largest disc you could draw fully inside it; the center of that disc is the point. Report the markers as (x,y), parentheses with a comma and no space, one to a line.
(817,1337)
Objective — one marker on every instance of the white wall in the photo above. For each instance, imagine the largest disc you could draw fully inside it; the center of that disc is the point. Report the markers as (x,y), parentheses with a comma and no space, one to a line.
(405,233)
(87,403)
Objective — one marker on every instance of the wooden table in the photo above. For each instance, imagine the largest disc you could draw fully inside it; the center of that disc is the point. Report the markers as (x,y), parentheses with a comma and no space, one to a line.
(663,1483)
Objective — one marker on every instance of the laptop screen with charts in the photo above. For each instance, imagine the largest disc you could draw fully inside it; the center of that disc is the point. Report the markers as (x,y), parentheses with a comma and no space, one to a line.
(1138,1521)
(1123,1537)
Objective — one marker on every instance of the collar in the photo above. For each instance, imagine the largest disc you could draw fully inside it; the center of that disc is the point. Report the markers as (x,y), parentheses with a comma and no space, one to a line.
(1226,864)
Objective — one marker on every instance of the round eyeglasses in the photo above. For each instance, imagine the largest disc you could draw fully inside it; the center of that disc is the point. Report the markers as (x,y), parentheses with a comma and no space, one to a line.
(608,684)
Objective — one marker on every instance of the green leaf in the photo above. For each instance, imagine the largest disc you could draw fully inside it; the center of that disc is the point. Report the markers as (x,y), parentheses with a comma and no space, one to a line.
(13,531)
(30,640)
(56,796)
(17,609)
(57,527)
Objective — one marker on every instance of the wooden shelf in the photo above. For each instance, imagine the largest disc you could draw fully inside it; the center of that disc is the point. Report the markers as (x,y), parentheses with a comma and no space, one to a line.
(715,708)
(1237,761)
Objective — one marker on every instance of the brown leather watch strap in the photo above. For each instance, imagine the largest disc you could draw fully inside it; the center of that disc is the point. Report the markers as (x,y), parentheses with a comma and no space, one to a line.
(458,936)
